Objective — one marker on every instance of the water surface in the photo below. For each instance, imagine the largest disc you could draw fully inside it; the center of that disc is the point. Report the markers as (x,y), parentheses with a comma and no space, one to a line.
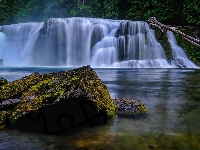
(171,95)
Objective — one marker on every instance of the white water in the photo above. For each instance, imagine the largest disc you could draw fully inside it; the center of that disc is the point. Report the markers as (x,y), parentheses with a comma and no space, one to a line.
(83,41)
(19,43)
(180,57)
(2,41)
(143,50)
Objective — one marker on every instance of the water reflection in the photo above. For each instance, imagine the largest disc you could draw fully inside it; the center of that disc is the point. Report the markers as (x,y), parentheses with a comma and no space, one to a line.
(171,95)
(165,92)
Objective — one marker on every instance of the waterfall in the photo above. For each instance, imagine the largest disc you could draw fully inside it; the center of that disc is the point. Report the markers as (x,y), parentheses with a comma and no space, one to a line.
(2,41)
(179,56)
(19,43)
(143,50)
(82,41)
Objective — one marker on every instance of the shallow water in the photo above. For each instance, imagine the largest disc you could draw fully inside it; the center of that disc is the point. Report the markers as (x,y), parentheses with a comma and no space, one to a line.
(171,95)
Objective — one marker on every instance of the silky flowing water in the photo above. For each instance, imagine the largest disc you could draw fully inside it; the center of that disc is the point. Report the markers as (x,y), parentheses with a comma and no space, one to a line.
(172,122)
(83,41)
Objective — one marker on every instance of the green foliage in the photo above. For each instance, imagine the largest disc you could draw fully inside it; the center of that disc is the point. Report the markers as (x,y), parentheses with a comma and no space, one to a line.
(143,9)
(110,9)
(192,51)
(81,10)
(191,11)
(163,40)
(14,11)
(183,12)
(9,9)
(33,11)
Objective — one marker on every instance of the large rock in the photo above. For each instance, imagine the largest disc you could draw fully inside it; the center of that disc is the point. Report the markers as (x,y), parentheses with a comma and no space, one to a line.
(56,102)
(3,81)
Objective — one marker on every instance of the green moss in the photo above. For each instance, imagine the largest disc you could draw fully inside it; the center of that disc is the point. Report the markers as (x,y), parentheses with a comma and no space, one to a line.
(3,81)
(163,40)
(44,90)
(16,88)
(142,108)
(191,50)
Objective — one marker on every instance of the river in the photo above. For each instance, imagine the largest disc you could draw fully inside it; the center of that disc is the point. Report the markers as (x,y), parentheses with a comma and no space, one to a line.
(172,122)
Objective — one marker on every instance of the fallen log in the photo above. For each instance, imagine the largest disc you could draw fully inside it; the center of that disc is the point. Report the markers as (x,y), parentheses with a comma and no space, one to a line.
(153,22)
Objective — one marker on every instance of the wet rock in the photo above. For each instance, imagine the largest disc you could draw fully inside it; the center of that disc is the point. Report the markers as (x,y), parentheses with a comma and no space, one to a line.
(57,102)
(3,123)
(3,81)
(9,104)
(12,90)
(129,105)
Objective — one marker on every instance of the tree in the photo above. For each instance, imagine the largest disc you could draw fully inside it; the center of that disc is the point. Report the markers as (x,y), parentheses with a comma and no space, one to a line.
(33,11)
(191,12)
(9,9)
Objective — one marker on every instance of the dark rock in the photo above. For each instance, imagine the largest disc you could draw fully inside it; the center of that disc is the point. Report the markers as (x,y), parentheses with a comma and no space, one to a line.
(3,81)
(58,102)
(9,104)
(15,89)
(129,106)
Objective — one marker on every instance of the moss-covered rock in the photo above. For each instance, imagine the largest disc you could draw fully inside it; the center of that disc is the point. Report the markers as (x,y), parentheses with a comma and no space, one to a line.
(16,88)
(191,50)
(163,40)
(53,102)
(130,106)
(3,81)
(60,102)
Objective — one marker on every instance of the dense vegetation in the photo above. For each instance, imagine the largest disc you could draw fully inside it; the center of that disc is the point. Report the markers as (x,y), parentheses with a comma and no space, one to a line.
(174,12)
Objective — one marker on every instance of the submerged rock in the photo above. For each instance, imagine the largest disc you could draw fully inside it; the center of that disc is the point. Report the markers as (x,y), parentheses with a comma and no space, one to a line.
(56,102)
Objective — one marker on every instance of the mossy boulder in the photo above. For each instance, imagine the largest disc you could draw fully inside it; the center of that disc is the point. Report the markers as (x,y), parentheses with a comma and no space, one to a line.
(60,102)
(3,81)
(130,106)
(54,102)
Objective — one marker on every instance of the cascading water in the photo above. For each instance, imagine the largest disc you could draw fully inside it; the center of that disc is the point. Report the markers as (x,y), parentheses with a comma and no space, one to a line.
(2,41)
(19,42)
(142,50)
(180,57)
(83,41)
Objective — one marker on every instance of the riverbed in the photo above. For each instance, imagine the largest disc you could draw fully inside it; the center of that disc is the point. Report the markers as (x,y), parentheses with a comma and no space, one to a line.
(172,122)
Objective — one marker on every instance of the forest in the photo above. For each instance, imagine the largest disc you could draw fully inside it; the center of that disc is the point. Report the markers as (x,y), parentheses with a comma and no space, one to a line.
(178,12)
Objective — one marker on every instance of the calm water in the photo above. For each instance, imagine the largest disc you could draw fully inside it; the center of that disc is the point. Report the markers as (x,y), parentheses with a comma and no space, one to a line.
(171,95)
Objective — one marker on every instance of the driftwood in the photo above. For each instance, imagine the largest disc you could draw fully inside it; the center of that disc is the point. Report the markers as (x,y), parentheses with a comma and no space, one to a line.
(153,22)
